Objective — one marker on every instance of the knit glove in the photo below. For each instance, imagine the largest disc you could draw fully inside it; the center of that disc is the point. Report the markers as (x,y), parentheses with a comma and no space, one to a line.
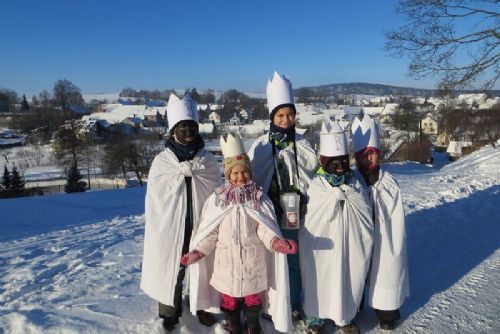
(284,246)
(191,257)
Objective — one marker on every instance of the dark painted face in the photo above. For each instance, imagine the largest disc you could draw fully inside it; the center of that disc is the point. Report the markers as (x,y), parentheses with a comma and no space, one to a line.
(185,132)
(337,165)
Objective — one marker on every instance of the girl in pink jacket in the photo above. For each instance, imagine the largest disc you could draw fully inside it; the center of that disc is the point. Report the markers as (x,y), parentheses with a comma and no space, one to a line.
(238,222)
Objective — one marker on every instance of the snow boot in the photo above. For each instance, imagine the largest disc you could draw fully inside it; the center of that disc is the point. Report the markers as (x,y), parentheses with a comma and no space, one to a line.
(206,318)
(169,323)
(348,329)
(314,325)
(252,314)
(387,325)
(232,322)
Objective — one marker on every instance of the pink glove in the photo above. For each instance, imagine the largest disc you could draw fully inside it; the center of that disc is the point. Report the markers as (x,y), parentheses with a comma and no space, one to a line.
(191,257)
(284,246)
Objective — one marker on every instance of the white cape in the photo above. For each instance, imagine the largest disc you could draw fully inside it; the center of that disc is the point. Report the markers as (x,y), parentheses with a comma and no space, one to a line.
(261,156)
(203,296)
(335,249)
(389,282)
(165,212)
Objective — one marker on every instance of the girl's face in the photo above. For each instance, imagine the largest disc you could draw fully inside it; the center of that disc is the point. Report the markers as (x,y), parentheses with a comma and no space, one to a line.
(284,117)
(239,175)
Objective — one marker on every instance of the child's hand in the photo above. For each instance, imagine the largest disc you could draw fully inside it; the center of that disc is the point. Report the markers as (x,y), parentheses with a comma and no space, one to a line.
(191,257)
(284,246)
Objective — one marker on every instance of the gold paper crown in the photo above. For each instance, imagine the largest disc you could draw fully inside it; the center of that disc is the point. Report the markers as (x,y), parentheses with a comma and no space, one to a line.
(231,146)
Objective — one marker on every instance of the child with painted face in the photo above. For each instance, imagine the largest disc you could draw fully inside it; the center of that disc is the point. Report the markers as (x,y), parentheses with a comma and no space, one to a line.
(388,281)
(237,255)
(181,178)
(336,238)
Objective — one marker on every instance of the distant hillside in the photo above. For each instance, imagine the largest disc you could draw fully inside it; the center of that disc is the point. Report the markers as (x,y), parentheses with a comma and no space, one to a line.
(377,89)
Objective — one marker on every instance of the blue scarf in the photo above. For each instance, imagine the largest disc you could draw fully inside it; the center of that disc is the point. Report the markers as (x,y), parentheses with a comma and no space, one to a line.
(185,152)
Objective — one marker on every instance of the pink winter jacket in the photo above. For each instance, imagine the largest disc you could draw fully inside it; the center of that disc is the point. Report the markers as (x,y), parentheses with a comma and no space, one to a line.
(239,268)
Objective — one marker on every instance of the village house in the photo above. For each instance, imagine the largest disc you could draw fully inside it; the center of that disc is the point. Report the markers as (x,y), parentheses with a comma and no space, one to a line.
(429,125)
(235,120)
(214,116)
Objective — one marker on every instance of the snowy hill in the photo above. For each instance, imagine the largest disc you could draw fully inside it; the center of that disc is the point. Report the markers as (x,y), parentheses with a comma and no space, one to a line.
(71,263)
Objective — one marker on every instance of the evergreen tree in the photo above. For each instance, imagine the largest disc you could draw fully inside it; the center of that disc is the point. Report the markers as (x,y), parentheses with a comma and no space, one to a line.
(24,104)
(16,181)
(6,178)
(73,181)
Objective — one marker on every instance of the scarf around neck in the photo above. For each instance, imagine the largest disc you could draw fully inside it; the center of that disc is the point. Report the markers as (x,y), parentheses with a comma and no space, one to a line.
(281,138)
(185,152)
(333,179)
(229,194)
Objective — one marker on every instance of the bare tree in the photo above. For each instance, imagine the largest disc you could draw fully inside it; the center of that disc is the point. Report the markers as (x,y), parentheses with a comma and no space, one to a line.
(131,154)
(66,94)
(68,144)
(455,40)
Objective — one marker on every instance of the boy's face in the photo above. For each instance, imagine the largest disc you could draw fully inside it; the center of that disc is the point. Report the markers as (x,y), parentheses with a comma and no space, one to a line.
(369,160)
(185,132)
(239,175)
(284,117)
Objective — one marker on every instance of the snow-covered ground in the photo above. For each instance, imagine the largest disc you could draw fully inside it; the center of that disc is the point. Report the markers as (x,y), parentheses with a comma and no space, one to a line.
(71,263)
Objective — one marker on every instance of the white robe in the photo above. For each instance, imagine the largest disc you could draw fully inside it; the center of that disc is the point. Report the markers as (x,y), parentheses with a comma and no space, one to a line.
(261,156)
(389,282)
(203,296)
(165,212)
(335,249)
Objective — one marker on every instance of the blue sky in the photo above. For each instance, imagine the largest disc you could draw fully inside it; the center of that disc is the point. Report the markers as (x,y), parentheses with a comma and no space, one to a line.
(104,46)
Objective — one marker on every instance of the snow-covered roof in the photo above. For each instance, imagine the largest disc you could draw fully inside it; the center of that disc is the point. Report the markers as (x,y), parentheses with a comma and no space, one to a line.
(455,147)
(110,97)
(115,113)
(471,98)
(206,128)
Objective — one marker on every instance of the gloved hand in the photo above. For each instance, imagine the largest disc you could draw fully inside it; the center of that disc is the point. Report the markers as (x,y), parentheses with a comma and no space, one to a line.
(191,257)
(284,246)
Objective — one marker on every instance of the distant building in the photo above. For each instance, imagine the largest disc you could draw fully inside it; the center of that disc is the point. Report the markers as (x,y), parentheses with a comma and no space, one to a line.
(235,120)
(443,139)
(155,103)
(472,99)
(455,148)
(133,122)
(214,116)
(10,138)
(429,125)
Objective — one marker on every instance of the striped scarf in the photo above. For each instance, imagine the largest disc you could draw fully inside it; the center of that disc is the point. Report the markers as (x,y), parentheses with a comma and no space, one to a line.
(229,194)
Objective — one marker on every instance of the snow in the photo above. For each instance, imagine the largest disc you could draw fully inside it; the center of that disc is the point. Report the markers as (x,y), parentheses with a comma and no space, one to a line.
(111,97)
(115,113)
(71,263)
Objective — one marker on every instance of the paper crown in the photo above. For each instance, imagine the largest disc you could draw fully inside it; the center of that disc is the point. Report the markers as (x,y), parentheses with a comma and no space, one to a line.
(231,146)
(279,91)
(333,142)
(364,133)
(181,110)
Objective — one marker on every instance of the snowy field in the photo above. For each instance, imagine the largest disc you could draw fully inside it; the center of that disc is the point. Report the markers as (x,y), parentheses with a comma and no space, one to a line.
(71,263)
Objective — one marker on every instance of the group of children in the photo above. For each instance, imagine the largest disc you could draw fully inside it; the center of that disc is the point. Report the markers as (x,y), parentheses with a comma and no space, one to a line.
(241,240)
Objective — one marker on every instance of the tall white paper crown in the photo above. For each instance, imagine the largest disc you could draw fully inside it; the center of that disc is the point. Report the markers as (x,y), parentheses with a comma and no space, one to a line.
(279,91)
(181,110)
(332,140)
(364,133)
(232,146)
